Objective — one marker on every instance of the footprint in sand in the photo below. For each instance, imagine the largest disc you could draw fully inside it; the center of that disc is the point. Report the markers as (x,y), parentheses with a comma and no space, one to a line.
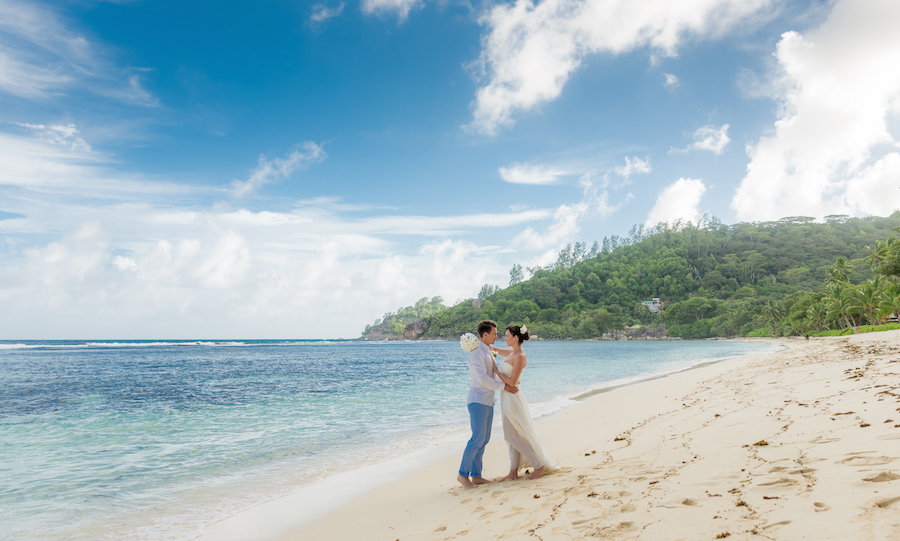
(883,477)
(440,528)
(688,501)
(516,510)
(605,532)
(777,524)
(582,521)
(867,460)
(782,481)
(819,507)
(614,495)
(884,504)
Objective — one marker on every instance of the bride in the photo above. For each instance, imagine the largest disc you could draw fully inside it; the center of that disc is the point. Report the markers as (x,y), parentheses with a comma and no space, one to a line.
(518,429)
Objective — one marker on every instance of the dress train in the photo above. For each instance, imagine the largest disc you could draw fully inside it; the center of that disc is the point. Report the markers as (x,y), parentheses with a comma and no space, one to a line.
(525,448)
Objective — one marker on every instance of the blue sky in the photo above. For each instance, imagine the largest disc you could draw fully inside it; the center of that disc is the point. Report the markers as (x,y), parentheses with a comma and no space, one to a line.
(296,169)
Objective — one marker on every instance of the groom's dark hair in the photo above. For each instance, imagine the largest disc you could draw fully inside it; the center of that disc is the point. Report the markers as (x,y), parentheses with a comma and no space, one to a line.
(485,327)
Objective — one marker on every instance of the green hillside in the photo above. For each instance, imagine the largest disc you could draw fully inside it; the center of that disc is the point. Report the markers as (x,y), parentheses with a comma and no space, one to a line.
(712,279)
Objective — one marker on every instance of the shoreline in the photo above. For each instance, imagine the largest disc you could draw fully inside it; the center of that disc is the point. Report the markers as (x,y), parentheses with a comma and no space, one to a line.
(588,394)
(796,444)
(275,519)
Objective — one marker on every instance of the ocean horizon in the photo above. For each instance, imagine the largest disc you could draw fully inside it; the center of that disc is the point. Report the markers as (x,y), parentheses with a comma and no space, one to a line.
(156,439)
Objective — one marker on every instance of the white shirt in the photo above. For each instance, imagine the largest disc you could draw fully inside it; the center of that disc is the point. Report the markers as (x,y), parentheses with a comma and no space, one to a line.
(484,382)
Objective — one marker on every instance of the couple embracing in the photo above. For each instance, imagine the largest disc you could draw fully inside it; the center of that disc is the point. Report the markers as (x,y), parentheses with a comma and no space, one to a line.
(518,428)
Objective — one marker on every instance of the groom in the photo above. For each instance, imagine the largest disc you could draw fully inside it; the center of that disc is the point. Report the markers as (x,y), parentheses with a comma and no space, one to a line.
(481,404)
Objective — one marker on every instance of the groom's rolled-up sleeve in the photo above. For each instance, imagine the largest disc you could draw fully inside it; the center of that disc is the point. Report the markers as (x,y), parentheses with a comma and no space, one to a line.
(479,371)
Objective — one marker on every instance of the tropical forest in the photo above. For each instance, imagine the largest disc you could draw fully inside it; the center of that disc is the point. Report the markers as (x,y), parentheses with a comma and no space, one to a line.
(790,277)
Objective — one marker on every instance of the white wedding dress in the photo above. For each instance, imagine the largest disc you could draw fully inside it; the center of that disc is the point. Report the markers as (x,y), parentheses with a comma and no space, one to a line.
(524,444)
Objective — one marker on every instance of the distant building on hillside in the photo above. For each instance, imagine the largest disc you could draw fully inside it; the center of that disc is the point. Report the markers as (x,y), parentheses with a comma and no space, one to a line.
(654,305)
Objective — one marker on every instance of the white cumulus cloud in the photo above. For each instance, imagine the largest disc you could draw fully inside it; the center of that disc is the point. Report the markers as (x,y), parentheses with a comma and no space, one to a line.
(876,189)
(209,279)
(671,82)
(269,171)
(711,138)
(321,13)
(708,138)
(401,7)
(532,49)
(632,166)
(831,150)
(677,201)
(565,224)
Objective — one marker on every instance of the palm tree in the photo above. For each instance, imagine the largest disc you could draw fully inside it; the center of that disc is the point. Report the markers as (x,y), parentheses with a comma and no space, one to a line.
(890,301)
(817,316)
(773,310)
(842,303)
(877,254)
(841,271)
(869,296)
(890,264)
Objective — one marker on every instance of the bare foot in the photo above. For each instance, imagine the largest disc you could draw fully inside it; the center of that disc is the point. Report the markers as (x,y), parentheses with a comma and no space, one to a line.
(537,473)
(511,476)
(480,481)
(464,481)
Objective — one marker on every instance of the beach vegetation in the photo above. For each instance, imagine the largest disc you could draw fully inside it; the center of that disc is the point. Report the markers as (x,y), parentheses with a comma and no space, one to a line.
(787,277)
(862,329)
(842,307)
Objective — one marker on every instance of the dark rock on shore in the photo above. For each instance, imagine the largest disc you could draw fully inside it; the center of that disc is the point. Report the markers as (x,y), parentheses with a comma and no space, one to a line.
(641,333)
(415,330)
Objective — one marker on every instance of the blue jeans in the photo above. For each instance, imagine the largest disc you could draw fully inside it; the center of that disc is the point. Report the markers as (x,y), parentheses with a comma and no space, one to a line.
(480,417)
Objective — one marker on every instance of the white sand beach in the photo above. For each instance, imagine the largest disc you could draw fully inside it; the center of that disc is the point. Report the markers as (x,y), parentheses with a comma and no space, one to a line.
(800,444)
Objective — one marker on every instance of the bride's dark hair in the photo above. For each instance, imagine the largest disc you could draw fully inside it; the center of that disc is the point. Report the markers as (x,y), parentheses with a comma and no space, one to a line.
(517,331)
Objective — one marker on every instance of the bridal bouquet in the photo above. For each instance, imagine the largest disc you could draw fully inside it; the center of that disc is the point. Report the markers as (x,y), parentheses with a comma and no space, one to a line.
(468,342)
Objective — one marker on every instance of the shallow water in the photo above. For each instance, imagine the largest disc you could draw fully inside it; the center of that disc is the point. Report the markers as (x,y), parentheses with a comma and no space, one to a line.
(154,440)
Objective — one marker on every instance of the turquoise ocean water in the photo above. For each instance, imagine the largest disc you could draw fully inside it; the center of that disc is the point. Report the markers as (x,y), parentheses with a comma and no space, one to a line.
(154,440)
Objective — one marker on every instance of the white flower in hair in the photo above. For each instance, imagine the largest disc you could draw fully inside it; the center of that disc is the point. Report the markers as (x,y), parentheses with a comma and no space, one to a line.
(523,329)
(468,342)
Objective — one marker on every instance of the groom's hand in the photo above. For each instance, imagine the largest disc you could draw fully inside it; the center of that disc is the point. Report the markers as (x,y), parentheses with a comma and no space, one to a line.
(510,389)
